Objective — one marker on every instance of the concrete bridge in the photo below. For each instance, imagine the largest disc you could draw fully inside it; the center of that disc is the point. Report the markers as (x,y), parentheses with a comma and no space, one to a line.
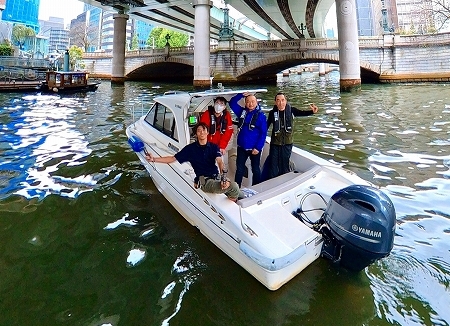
(387,58)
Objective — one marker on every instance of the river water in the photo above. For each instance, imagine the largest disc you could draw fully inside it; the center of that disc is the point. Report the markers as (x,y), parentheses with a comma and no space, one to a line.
(86,239)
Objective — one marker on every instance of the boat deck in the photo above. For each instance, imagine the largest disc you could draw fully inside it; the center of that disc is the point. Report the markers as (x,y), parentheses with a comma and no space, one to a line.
(272,187)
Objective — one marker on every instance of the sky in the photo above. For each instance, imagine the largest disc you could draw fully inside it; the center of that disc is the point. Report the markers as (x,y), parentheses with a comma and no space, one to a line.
(67,9)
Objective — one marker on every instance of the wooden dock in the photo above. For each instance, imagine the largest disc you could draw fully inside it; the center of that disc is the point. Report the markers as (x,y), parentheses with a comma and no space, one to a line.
(20,86)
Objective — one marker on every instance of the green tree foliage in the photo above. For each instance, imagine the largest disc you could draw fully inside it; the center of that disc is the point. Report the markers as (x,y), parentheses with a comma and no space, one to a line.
(154,36)
(177,39)
(6,49)
(20,33)
(75,55)
(134,43)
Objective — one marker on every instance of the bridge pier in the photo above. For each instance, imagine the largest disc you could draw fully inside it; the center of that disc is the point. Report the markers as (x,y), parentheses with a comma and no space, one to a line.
(322,68)
(201,43)
(349,65)
(119,41)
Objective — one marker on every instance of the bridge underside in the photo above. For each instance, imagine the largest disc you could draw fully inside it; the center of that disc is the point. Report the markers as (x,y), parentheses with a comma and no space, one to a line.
(282,18)
(163,71)
(170,71)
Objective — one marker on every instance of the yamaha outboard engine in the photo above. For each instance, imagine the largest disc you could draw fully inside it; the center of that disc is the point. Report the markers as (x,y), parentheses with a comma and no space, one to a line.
(359,227)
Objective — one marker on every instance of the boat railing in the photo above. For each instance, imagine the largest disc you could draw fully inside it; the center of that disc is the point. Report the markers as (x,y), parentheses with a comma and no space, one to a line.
(139,110)
(13,74)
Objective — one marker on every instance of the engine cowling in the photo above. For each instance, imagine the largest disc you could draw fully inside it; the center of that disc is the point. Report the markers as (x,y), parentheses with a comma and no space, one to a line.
(359,227)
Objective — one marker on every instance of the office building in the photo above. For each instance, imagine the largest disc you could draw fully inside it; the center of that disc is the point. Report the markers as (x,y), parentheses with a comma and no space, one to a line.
(415,16)
(22,12)
(58,36)
(2,7)
(142,30)
(93,30)
(369,16)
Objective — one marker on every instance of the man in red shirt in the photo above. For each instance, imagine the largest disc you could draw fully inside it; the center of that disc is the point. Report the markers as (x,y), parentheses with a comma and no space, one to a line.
(218,119)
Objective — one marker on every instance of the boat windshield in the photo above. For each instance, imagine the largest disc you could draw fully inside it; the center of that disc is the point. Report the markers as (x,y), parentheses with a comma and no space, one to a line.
(197,106)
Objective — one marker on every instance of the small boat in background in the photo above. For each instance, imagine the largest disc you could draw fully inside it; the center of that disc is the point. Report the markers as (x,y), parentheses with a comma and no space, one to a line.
(68,81)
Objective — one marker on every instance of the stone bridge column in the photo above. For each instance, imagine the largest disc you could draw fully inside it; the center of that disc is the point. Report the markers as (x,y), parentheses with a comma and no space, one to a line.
(322,69)
(119,41)
(201,43)
(349,65)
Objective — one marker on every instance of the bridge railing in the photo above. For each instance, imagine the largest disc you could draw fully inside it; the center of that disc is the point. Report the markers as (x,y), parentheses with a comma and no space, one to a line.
(386,40)
(286,44)
(97,55)
(419,39)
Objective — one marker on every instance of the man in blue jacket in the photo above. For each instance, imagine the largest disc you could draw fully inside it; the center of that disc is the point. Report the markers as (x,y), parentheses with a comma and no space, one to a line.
(251,137)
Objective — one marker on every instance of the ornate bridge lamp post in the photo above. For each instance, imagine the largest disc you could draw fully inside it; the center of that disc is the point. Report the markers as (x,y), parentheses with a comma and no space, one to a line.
(226,31)
(226,34)
(167,46)
(167,37)
(301,29)
(384,17)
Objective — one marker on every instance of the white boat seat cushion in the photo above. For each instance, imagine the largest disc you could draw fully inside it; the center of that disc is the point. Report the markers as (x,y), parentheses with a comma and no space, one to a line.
(276,186)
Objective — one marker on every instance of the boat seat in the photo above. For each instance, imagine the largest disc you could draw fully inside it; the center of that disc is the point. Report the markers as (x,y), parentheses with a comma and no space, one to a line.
(284,232)
(275,186)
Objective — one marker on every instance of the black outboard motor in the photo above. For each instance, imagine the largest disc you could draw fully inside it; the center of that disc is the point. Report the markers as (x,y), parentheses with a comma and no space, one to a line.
(359,227)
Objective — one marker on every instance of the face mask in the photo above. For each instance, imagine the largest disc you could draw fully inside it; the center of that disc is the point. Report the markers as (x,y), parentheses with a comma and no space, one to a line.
(219,108)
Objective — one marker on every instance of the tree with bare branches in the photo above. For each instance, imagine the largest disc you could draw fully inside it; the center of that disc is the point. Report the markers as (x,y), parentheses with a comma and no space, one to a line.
(441,12)
(434,15)
(84,36)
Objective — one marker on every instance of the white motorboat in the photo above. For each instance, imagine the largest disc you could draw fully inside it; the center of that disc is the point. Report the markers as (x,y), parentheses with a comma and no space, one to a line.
(317,210)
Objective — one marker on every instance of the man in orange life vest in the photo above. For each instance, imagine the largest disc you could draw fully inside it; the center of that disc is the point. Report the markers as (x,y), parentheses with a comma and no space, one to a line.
(218,119)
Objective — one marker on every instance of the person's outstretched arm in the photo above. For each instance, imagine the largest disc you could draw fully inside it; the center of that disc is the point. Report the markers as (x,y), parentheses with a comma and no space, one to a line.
(234,105)
(163,159)
(301,113)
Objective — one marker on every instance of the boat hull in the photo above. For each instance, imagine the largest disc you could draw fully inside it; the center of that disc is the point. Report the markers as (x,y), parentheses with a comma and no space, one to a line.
(263,232)
(260,233)
(198,209)
(74,89)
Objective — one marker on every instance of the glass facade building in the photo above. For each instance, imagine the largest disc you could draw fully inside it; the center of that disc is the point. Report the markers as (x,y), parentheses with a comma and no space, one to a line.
(93,30)
(22,12)
(369,17)
(142,31)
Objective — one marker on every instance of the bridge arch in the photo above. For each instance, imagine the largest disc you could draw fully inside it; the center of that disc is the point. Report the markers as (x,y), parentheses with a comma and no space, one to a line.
(160,68)
(273,65)
(385,58)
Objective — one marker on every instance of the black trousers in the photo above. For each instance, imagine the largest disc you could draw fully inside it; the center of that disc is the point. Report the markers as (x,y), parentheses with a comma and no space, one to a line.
(255,160)
(279,157)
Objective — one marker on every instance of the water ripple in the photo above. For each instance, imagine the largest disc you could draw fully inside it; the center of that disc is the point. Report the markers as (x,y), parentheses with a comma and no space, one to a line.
(40,138)
(186,267)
